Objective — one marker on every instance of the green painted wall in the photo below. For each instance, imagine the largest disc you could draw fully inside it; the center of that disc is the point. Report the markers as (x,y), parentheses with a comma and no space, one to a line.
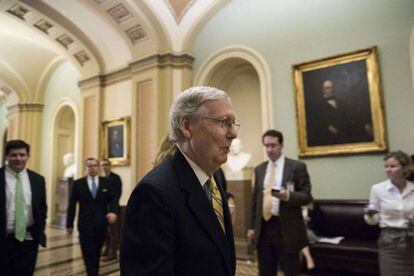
(295,31)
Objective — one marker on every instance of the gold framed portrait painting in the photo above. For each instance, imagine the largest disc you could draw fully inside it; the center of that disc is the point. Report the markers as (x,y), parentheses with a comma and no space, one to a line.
(116,139)
(339,105)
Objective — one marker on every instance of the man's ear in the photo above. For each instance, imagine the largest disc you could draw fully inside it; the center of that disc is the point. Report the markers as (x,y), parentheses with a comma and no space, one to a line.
(185,126)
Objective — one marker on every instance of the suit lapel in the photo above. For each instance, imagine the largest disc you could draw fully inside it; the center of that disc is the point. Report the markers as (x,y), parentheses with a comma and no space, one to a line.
(101,181)
(287,172)
(261,171)
(199,205)
(34,191)
(2,202)
(86,187)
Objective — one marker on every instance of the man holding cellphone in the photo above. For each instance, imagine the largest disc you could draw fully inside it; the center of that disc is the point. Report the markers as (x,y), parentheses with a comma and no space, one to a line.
(282,186)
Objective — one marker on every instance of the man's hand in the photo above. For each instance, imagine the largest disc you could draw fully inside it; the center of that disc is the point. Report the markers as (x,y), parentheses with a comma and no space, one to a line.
(332,129)
(69,231)
(111,217)
(282,194)
(371,212)
(250,235)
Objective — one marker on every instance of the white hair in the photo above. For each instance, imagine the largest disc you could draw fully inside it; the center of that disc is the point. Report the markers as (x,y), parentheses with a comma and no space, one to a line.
(188,105)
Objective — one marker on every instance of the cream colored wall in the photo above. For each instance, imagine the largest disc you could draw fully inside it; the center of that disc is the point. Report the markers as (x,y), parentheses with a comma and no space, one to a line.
(4,123)
(290,32)
(244,91)
(61,90)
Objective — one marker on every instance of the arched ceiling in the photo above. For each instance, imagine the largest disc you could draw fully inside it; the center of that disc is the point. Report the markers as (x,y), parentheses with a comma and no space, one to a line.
(95,36)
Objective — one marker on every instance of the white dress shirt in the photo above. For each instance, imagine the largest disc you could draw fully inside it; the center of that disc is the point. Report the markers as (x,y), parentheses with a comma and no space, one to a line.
(200,174)
(395,209)
(89,179)
(11,199)
(280,164)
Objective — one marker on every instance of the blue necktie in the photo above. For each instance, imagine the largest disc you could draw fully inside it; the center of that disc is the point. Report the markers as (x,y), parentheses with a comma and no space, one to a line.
(94,187)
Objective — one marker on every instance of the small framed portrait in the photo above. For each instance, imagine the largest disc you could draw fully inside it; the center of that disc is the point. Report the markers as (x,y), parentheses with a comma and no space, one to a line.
(339,105)
(116,141)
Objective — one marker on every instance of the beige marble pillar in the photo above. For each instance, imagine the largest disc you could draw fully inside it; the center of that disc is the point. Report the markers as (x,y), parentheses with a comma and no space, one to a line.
(25,123)
(156,81)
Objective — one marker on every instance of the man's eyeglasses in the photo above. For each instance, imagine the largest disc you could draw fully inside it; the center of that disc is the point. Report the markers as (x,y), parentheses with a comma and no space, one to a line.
(225,122)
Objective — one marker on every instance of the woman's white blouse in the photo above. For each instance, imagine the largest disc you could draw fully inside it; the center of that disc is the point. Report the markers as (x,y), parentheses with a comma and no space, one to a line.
(395,209)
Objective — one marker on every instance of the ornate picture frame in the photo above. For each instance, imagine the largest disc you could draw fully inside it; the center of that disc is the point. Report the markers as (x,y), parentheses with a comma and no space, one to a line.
(339,105)
(116,141)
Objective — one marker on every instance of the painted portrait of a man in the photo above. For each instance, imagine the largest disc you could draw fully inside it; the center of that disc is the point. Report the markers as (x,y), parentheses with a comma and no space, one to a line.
(337,105)
(115,141)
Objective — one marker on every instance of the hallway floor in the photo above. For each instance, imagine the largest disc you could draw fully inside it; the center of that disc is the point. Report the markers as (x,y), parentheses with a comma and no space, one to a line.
(63,257)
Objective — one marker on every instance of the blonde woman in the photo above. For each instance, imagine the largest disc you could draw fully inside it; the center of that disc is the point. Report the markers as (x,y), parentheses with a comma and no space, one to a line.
(391,205)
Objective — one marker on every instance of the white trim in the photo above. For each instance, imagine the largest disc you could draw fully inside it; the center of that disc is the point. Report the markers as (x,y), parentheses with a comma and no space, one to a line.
(208,67)
(64,102)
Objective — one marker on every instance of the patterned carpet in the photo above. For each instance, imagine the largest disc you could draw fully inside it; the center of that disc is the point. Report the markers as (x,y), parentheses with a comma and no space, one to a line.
(63,257)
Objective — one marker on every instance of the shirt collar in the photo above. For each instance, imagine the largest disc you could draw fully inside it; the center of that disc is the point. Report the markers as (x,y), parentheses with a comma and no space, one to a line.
(95,177)
(21,173)
(200,174)
(408,188)
(279,161)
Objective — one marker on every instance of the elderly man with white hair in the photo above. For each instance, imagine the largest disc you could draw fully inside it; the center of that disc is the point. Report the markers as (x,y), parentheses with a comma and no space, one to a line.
(176,221)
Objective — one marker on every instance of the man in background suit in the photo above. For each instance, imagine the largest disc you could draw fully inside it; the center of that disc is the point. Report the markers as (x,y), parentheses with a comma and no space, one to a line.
(282,186)
(177,220)
(97,206)
(23,212)
(113,233)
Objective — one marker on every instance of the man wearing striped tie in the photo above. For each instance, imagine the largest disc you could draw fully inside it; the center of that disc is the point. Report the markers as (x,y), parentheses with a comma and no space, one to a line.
(177,220)
(282,186)
(98,206)
(22,212)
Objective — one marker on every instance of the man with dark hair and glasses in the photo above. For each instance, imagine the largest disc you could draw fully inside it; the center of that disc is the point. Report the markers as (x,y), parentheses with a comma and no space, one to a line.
(177,220)
(281,187)
(23,212)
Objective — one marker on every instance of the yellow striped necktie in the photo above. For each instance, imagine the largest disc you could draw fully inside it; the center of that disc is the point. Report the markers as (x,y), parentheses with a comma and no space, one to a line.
(214,196)
(267,194)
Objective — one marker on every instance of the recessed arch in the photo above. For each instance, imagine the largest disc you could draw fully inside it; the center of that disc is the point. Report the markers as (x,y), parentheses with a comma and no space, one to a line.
(44,79)
(209,67)
(65,126)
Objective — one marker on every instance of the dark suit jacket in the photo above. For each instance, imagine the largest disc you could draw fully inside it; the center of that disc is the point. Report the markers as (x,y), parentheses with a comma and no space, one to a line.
(92,211)
(39,207)
(290,212)
(116,184)
(170,227)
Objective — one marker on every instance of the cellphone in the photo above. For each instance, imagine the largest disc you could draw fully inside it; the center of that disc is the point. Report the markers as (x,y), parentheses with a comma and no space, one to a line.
(369,208)
(275,191)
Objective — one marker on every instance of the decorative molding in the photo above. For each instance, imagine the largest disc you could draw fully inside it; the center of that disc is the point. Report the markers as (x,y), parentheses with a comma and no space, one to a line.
(6,90)
(154,61)
(18,11)
(136,34)
(55,32)
(173,10)
(65,40)
(26,107)
(82,57)
(92,82)
(161,61)
(43,25)
(119,13)
(117,76)
(3,98)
